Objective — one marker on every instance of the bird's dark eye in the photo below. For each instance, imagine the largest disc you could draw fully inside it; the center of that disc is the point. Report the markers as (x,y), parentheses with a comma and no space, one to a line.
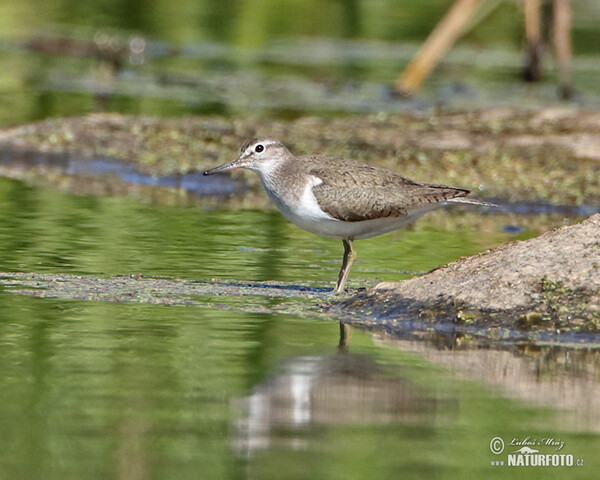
(259,148)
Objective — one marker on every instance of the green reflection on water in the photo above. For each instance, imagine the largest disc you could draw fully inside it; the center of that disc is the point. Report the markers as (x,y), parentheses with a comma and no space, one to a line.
(207,56)
(103,390)
(45,231)
(99,390)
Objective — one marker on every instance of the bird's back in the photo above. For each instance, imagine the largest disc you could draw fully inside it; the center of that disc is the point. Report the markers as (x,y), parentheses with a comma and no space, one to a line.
(354,191)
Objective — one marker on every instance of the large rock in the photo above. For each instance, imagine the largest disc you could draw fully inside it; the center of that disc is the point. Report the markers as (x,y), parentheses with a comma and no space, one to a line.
(549,282)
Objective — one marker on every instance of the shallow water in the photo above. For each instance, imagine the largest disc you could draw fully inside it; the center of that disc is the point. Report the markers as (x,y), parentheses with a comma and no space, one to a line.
(46,231)
(104,390)
(99,389)
(274,58)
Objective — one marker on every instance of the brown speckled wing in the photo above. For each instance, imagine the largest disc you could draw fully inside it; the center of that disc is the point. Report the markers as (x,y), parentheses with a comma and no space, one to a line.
(355,191)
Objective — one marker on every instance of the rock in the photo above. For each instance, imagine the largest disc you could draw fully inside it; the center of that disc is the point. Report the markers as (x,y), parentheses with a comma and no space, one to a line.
(551,282)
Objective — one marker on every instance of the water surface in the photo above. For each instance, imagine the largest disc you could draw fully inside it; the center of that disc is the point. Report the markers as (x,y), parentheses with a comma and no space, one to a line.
(136,391)
(104,390)
(273,58)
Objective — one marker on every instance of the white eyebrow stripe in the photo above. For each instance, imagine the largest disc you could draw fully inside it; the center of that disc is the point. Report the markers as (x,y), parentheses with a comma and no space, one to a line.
(248,149)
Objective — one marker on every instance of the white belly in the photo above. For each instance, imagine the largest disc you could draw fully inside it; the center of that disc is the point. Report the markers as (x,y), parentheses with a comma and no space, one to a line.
(332,228)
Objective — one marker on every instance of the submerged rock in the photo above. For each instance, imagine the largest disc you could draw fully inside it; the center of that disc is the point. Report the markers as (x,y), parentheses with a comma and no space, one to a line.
(551,282)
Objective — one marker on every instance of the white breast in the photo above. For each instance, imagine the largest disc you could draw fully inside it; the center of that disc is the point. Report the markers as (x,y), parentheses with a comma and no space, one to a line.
(302,210)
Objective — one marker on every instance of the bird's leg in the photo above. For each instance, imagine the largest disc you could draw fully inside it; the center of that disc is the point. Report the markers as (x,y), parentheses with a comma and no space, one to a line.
(345,336)
(349,256)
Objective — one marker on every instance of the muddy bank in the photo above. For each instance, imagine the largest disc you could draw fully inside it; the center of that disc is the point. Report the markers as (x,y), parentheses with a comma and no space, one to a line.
(549,155)
(549,283)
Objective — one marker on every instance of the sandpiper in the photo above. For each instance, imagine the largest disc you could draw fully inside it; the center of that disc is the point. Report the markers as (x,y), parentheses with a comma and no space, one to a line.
(340,197)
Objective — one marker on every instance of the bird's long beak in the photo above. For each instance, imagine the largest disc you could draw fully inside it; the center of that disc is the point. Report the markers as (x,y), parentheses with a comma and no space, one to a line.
(225,167)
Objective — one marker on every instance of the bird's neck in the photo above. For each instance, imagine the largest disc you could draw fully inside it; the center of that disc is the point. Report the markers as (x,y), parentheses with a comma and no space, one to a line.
(284,185)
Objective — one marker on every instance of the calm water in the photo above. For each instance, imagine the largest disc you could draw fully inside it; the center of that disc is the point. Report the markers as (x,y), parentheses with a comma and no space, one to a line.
(273,57)
(108,390)
(132,391)
(45,231)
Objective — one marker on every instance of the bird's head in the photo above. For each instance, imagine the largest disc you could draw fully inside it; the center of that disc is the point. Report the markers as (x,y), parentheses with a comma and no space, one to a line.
(261,155)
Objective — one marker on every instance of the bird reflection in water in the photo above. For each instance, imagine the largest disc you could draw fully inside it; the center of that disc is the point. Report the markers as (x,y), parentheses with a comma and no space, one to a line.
(311,392)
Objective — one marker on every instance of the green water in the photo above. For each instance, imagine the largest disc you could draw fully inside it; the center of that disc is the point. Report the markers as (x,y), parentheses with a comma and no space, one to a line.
(110,390)
(270,57)
(114,236)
